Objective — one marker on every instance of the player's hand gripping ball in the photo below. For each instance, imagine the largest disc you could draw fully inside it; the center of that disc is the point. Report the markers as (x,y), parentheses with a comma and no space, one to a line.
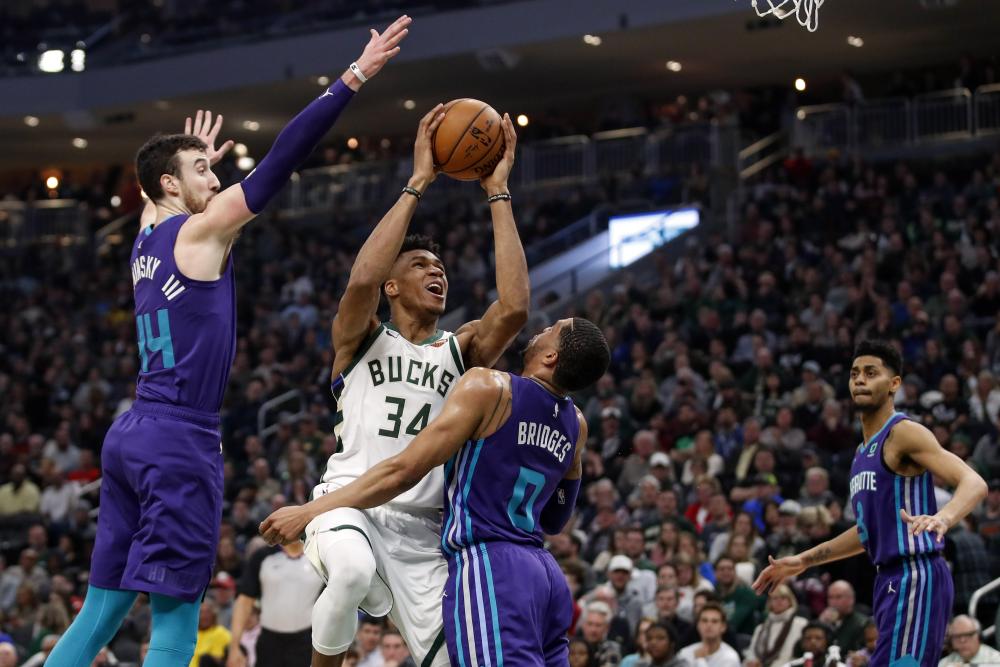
(469,142)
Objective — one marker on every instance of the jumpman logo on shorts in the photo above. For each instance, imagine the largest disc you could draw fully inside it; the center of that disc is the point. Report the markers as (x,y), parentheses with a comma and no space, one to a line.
(890,588)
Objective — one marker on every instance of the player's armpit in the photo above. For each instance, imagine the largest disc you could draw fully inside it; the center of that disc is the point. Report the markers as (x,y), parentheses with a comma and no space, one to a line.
(483,341)
(222,218)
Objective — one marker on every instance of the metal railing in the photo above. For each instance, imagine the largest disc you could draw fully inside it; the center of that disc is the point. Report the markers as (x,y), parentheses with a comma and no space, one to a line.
(294,397)
(565,161)
(940,116)
(974,604)
(62,221)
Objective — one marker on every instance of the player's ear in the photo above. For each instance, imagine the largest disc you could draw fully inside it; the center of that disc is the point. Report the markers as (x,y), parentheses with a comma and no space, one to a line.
(551,358)
(391,288)
(895,384)
(170,184)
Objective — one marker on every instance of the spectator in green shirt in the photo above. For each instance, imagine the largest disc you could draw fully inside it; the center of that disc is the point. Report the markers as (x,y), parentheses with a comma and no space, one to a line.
(742,605)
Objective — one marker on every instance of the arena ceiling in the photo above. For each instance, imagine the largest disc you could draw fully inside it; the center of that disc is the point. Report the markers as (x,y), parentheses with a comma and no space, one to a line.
(567,74)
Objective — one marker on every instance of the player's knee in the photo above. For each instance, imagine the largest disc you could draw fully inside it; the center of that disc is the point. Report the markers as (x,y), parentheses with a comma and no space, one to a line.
(350,571)
(334,622)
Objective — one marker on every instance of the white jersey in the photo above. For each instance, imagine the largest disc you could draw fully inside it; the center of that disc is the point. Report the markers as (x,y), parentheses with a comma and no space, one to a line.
(390,392)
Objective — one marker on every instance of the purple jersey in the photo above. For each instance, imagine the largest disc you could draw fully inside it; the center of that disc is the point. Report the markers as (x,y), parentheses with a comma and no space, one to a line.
(496,487)
(186,328)
(877,495)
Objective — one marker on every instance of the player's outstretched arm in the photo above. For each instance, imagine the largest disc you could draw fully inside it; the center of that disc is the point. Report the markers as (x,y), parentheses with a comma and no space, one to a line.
(558,511)
(919,444)
(238,204)
(242,609)
(356,314)
(479,402)
(483,341)
(845,545)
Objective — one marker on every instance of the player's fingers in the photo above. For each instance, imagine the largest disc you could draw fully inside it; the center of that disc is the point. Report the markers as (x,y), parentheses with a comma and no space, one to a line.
(395,39)
(397,25)
(770,559)
(905,516)
(432,128)
(216,128)
(425,121)
(391,53)
(187,125)
(198,117)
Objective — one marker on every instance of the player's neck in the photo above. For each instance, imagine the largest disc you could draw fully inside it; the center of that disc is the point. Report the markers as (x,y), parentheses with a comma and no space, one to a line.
(871,422)
(414,329)
(168,209)
(544,383)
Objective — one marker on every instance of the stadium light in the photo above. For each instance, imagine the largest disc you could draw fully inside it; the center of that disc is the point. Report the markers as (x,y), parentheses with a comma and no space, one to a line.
(856,42)
(239,150)
(800,84)
(52,182)
(323,80)
(116,201)
(79,142)
(77,60)
(245,163)
(251,125)
(31,121)
(592,40)
(409,105)
(51,61)
(352,143)
(522,120)
(674,66)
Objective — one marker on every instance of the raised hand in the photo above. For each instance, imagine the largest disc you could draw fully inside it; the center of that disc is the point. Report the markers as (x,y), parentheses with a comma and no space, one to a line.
(203,128)
(926,522)
(424,170)
(497,181)
(285,525)
(382,47)
(777,572)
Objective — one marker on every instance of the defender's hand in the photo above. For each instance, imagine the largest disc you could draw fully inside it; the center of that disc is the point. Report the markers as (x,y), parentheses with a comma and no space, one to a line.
(207,132)
(777,572)
(496,182)
(285,525)
(424,171)
(381,48)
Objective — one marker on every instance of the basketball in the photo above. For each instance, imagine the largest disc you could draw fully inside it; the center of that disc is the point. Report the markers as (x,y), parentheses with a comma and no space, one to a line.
(468,143)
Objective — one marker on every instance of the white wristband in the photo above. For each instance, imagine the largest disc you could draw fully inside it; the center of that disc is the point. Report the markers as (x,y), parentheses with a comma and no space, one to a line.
(358,73)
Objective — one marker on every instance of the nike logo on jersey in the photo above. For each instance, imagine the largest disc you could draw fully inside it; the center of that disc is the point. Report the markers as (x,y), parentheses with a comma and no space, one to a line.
(891,589)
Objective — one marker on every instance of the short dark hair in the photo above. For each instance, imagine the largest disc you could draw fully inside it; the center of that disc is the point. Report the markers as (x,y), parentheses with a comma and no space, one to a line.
(884,350)
(713,606)
(158,156)
(420,242)
(583,356)
(819,625)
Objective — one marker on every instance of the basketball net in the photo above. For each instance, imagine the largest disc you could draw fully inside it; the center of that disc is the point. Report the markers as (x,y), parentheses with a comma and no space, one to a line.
(806,11)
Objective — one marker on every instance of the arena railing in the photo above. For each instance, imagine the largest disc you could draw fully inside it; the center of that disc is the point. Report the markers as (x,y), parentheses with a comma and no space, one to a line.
(946,115)
(291,397)
(62,221)
(564,161)
(974,604)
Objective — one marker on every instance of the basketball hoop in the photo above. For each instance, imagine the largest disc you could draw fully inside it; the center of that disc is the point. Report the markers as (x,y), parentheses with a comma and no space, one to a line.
(806,12)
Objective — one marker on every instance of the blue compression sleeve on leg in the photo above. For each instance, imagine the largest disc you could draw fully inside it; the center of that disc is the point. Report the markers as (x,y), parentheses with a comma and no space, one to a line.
(175,632)
(293,145)
(96,624)
(560,507)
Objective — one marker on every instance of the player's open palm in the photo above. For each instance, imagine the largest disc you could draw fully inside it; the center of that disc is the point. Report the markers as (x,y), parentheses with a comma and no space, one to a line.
(776,573)
(498,179)
(204,129)
(382,47)
(285,525)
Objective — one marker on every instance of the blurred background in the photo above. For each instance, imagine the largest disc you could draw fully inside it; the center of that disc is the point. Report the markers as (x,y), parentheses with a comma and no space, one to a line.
(736,200)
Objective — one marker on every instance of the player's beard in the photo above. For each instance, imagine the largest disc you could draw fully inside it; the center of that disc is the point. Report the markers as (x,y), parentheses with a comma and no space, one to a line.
(192,203)
(872,406)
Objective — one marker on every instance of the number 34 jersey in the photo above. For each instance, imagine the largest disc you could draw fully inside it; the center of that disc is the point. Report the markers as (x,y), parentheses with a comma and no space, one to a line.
(186,329)
(390,392)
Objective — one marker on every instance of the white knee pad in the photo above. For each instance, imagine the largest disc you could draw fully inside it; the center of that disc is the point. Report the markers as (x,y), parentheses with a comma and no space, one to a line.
(350,568)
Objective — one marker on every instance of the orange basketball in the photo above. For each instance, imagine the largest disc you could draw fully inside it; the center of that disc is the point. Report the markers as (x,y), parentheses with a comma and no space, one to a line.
(468,143)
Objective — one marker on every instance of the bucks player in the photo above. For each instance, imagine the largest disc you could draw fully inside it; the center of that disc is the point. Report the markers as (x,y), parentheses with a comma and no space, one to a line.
(161,491)
(898,521)
(512,449)
(391,379)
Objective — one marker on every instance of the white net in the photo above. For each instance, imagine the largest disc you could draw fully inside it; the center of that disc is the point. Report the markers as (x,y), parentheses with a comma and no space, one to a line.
(806,12)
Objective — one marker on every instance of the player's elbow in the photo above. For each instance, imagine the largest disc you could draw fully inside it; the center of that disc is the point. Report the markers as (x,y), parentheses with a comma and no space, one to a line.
(403,474)
(979,487)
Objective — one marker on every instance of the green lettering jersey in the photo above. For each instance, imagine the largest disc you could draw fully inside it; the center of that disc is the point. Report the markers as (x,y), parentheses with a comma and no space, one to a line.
(390,392)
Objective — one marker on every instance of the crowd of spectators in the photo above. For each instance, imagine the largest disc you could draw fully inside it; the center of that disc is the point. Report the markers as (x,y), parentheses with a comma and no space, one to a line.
(722,433)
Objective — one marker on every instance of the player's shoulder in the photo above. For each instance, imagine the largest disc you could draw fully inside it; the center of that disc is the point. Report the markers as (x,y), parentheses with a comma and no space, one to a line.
(909,428)
(484,380)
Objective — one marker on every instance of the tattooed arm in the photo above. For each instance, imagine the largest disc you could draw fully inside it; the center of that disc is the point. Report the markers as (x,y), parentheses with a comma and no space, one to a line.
(845,545)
